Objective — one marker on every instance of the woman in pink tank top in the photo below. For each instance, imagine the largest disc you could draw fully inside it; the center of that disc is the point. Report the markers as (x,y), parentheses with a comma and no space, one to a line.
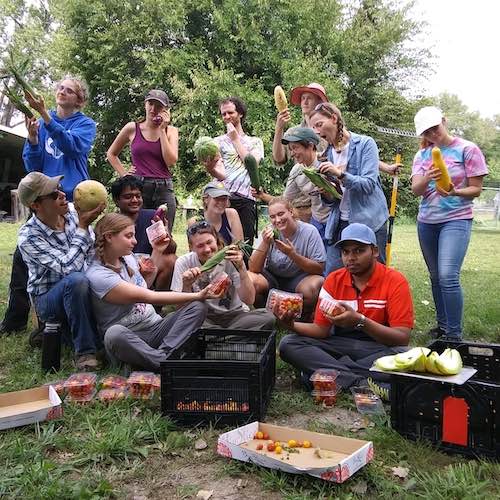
(154,147)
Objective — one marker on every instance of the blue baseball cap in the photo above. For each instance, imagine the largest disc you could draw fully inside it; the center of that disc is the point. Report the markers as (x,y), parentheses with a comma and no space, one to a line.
(358,232)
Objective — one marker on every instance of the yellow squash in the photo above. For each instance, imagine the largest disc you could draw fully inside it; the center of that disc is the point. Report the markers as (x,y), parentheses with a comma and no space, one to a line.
(280,99)
(444,182)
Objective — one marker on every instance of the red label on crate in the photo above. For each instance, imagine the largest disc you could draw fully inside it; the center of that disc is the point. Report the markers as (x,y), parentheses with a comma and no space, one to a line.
(455,421)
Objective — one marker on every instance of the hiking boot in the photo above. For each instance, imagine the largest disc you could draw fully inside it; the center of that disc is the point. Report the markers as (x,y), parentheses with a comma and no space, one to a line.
(436,332)
(381,389)
(86,363)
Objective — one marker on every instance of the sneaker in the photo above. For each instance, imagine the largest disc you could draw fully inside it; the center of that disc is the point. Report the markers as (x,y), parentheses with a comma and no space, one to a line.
(381,389)
(86,363)
(436,332)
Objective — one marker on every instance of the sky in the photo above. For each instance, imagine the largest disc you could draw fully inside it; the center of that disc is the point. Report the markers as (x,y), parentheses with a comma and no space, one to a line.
(464,36)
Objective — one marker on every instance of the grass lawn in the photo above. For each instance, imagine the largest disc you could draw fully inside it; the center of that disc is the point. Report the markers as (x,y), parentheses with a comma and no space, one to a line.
(127,450)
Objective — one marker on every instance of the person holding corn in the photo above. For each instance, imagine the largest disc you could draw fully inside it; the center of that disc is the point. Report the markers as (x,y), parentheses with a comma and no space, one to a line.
(231,310)
(353,161)
(444,219)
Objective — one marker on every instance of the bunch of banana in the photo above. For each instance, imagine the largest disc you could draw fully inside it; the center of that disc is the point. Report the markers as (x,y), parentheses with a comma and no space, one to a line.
(421,359)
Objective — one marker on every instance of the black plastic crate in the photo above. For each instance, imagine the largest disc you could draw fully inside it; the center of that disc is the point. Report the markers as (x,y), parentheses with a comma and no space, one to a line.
(221,377)
(461,419)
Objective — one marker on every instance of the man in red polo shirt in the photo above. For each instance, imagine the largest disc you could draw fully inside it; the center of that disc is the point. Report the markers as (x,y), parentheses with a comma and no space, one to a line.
(374,317)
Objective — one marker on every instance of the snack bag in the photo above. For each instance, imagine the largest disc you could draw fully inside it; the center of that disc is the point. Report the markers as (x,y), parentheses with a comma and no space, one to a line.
(286,301)
(80,385)
(330,307)
(156,231)
(221,284)
(140,384)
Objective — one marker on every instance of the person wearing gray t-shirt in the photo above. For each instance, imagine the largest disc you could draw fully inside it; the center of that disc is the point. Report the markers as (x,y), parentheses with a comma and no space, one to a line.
(231,310)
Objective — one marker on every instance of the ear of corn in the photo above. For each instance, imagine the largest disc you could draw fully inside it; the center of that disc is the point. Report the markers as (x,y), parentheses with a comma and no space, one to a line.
(320,181)
(215,260)
(280,99)
(253,171)
(16,101)
(16,71)
(444,182)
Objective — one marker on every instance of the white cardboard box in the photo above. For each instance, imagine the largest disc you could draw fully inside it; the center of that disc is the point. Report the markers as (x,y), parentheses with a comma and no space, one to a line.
(349,455)
(29,406)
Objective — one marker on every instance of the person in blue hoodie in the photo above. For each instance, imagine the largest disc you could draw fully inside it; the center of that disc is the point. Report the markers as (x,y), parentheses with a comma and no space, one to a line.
(58,144)
(60,141)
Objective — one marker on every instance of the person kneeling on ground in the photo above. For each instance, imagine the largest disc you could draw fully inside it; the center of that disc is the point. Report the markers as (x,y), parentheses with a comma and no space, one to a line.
(293,261)
(231,310)
(54,244)
(133,332)
(374,315)
(127,195)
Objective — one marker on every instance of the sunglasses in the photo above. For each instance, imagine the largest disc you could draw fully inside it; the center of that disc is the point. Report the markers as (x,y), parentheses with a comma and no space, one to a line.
(325,107)
(197,226)
(53,196)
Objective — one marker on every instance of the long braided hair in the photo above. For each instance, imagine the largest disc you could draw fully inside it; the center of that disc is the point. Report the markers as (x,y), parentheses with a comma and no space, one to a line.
(328,109)
(112,223)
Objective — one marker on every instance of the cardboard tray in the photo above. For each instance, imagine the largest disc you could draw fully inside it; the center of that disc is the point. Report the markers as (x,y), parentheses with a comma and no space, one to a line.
(29,406)
(459,379)
(349,455)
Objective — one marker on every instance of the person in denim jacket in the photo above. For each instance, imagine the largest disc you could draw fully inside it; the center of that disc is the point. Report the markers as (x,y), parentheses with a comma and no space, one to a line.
(353,160)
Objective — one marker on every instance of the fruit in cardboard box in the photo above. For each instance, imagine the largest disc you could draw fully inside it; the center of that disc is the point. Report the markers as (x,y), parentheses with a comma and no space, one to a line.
(89,194)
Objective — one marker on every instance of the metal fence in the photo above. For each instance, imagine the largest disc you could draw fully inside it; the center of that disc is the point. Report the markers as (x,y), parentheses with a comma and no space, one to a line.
(487,209)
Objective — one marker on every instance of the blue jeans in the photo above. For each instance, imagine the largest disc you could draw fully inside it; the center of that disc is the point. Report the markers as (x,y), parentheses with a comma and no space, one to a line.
(69,303)
(334,257)
(444,247)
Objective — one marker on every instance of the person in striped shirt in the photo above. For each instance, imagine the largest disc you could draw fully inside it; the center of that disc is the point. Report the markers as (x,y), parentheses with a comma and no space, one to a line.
(370,315)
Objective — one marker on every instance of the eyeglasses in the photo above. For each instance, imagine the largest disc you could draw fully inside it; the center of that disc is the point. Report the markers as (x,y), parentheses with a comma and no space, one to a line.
(68,90)
(53,196)
(197,226)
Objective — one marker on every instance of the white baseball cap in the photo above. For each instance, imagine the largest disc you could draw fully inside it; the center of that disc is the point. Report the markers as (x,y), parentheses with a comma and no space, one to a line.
(427,117)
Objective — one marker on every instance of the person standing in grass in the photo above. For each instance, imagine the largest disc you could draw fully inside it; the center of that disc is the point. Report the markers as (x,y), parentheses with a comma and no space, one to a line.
(374,317)
(58,144)
(154,148)
(229,168)
(353,161)
(133,332)
(444,219)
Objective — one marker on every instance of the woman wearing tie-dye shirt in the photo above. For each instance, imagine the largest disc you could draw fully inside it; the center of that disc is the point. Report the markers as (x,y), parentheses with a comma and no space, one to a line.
(444,219)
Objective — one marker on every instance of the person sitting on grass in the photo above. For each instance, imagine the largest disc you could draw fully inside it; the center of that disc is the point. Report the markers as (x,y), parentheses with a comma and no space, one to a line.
(231,310)
(374,316)
(133,332)
(216,211)
(127,195)
(55,244)
(293,261)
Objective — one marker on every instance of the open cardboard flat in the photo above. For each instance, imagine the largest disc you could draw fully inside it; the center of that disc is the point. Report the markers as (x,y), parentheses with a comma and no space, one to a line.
(29,406)
(348,455)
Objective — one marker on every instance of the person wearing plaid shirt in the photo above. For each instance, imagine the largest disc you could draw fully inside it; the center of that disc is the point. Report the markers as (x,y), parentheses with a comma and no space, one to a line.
(55,243)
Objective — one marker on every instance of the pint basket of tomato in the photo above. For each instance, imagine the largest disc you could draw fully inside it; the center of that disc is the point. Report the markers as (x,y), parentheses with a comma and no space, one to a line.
(285,301)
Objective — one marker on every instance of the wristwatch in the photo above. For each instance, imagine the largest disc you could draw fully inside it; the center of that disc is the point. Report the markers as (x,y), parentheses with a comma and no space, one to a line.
(361,323)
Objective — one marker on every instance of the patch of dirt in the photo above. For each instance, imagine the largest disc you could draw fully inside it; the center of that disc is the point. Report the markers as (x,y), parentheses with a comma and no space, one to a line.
(182,478)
